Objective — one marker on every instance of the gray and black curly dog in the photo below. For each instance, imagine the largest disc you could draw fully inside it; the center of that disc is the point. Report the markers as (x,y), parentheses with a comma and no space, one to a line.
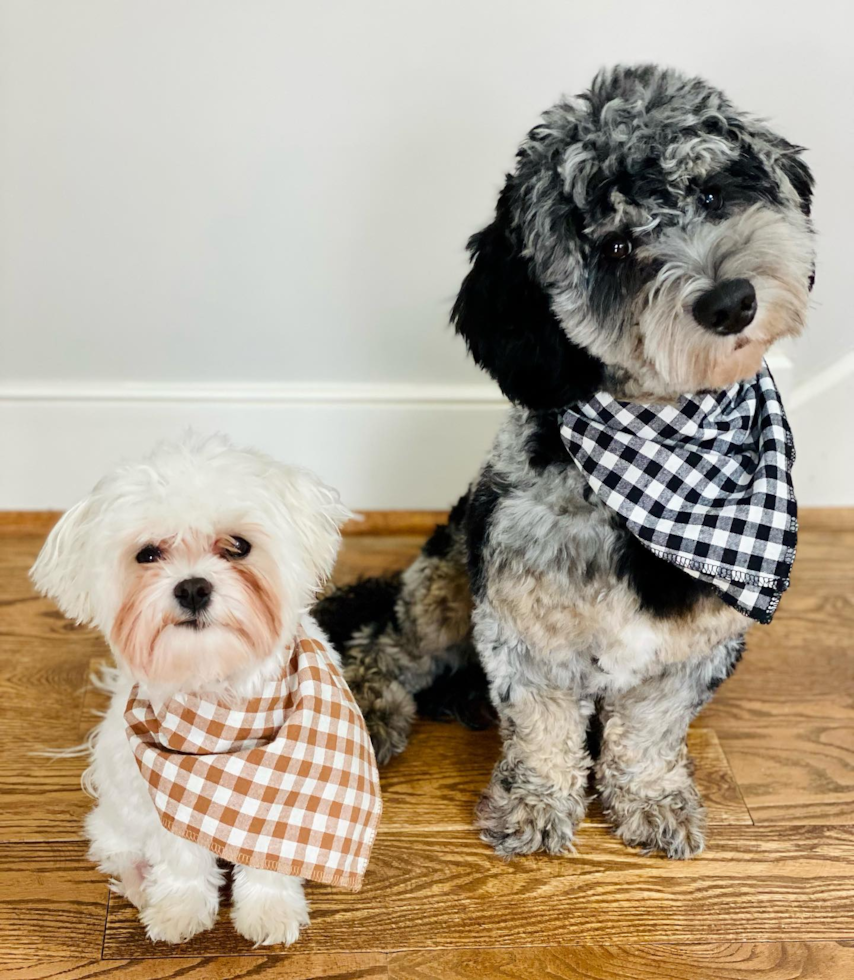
(629,204)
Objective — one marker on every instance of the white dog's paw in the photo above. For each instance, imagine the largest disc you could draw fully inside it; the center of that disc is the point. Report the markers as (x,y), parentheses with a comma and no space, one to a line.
(268,909)
(180,916)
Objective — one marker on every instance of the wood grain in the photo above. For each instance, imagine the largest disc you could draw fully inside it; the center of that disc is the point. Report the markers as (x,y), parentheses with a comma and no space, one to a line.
(704,961)
(52,902)
(795,773)
(405,521)
(442,796)
(360,557)
(293,966)
(753,884)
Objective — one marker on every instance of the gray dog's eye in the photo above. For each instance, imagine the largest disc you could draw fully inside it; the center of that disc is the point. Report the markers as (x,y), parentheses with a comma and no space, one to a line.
(712,198)
(617,247)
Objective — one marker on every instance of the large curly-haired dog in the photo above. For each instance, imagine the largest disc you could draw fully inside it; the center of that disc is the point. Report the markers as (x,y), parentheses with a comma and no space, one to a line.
(652,241)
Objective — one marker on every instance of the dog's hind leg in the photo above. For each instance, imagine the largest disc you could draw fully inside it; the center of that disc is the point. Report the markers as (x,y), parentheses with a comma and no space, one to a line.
(396,634)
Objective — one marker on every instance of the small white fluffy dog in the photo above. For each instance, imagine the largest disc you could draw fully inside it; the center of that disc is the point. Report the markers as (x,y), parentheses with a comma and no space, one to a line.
(198,565)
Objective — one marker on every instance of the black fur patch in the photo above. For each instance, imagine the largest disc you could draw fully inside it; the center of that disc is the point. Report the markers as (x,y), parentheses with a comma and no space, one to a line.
(638,183)
(441,540)
(664,590)
(462,695)
(611,283)
(482,503)
(370,601)
(439,543)
(744,182)
(505,318)
(458,512)
(595,730)
(544,445)
(801,179)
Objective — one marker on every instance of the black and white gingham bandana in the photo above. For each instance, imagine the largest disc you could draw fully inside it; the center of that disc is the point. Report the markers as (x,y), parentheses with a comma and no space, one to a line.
(705,484)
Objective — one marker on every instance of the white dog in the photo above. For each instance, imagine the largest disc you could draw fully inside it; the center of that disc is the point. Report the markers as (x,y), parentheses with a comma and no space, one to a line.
(199,566)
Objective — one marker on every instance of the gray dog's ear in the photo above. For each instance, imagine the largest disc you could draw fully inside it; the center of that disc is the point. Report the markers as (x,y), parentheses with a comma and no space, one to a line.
(799,176)
(506,320)
(63,569)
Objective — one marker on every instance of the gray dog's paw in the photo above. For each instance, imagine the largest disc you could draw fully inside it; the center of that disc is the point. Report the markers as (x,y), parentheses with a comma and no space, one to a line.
(673,824)
(518,815)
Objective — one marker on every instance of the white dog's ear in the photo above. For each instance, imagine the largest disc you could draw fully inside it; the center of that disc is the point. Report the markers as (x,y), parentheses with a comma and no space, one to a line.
(63,568)
(317,514)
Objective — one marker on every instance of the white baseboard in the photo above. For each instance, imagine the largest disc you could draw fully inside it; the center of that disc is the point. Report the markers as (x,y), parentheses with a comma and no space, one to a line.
(384,446)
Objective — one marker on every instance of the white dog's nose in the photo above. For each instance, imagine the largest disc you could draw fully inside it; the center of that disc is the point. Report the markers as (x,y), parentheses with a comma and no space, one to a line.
(193,594)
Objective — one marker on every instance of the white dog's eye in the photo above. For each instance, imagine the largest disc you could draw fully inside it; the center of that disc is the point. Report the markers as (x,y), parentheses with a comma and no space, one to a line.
(236,547)
(149,554)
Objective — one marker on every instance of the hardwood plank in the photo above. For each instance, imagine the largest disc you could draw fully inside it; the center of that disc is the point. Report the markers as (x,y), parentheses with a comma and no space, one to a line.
(42,799)
(52,903)
(291,966)
(704,961)
(42,696)
(447,890)
(436,783)
(395,522)
(795,773)
(28,521)
(826,518)
(360,557)
(407,521)
(778,687)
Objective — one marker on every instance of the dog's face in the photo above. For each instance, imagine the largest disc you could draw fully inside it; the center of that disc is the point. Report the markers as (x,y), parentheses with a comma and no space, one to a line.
(653,241)
(196,563)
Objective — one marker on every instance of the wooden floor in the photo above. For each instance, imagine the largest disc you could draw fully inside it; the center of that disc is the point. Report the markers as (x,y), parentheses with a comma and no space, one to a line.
(773,895)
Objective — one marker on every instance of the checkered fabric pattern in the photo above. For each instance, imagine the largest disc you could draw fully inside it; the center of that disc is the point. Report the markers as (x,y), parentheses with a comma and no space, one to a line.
(286,781)
(705,484)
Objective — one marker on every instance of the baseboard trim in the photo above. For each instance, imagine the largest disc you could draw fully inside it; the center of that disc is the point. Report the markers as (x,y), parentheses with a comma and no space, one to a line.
(290,393)
(286,393)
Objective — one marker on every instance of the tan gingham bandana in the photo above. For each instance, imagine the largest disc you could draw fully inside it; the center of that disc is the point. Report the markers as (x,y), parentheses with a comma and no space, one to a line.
(285,782)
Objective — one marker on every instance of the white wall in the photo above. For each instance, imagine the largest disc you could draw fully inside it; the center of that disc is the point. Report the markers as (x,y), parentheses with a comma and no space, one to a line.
(251,214)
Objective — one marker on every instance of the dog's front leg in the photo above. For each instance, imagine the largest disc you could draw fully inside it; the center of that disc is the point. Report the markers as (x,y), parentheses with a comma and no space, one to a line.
(644,771)
(181,888)
(536,797)
(267,908)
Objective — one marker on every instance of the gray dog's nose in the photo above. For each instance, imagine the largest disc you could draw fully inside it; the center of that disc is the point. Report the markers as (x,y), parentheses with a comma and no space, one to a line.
(193,594)
(728,308)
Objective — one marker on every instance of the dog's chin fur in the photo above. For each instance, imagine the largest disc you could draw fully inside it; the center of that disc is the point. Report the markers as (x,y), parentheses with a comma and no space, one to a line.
(189,501)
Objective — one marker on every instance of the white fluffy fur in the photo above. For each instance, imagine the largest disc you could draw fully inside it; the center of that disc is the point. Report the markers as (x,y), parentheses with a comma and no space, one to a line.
(190,496)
